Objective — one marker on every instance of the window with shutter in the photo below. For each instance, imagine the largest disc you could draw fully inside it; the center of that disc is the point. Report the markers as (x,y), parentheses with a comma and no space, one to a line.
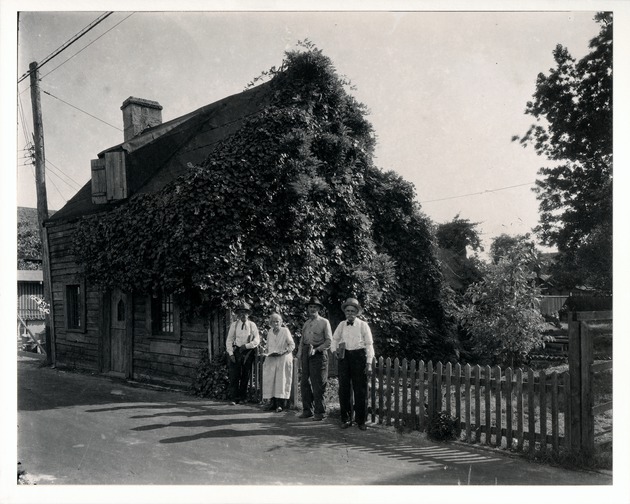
(99,181)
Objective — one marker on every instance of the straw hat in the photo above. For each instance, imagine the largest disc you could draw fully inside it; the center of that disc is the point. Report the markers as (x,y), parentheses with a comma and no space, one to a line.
(351,302)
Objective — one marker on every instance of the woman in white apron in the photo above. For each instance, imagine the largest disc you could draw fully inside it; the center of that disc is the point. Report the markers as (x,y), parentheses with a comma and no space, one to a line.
(278,365)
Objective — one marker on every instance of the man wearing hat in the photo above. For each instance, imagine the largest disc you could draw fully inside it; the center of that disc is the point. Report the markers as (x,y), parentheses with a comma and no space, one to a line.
(241,341)
(353,345)
(313,360)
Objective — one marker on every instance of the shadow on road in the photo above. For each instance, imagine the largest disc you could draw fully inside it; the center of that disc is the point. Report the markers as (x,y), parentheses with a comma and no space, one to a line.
(223,421)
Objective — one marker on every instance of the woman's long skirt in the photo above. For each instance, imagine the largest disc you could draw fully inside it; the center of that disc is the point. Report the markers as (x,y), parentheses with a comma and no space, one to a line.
(277,376)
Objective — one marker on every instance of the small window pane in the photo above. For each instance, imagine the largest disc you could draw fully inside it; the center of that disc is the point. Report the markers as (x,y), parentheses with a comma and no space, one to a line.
(162,314)
(73,307)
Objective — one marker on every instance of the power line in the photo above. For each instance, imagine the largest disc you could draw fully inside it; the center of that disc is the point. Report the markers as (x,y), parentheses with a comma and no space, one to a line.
(53,172)
(64,173)
(481,192)
(23,121)
(49,179)
(72,40)
(55,186)
(84,48)
(54,169)
(80,110)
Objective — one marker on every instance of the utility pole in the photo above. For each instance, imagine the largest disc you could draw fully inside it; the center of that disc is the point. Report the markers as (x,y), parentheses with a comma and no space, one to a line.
(42,200)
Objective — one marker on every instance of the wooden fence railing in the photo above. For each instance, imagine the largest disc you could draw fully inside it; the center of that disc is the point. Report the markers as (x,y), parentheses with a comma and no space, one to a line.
(520,408)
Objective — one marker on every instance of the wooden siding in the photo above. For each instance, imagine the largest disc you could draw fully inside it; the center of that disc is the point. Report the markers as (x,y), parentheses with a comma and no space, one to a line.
(74,348)
(173,360)
(154,358)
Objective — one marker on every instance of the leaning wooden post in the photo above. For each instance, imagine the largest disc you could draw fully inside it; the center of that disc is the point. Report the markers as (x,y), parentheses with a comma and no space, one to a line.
(42,206)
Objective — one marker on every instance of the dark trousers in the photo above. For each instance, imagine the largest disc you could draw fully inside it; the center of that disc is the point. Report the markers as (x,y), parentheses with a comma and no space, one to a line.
(313,381)
(239,373)
(353,382)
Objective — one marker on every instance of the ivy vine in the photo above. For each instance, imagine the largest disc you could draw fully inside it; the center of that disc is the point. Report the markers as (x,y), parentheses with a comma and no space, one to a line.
(289,206)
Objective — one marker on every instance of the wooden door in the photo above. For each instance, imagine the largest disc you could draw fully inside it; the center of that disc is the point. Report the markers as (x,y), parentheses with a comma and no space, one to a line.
(119,346)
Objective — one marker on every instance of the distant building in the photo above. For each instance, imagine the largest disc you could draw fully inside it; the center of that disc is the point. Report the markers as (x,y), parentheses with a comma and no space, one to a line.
(30,285)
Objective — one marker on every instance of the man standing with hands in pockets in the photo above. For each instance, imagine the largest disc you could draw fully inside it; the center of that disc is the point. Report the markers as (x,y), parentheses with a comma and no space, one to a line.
(353,345)
(313,359)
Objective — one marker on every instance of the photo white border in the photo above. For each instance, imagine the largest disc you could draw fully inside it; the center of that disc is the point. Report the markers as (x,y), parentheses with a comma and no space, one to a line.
(11,493)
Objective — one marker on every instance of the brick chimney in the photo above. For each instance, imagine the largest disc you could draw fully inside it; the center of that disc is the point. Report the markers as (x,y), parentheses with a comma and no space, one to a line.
(140,114)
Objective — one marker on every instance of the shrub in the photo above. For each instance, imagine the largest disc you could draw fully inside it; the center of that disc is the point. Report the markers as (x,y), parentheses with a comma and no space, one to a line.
(332,398)
(211,379)
(442,427)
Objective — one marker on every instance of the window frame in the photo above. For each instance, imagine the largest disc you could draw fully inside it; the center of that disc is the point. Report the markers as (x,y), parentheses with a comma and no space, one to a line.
(151,321)
(80,309)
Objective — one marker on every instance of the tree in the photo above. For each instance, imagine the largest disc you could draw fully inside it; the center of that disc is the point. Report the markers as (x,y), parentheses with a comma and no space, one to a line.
(573,110)
(455,238)
(29,247)
(286,207)
(502,315)
(503,244)
(459,235)
(415,319)
(29,243)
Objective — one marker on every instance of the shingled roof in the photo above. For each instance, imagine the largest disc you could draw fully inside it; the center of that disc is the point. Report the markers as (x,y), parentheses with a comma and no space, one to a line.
(160,154)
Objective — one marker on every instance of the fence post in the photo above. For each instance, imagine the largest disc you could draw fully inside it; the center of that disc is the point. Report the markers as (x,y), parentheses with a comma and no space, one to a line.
(430,392)
(412,393)
(373,390)
(586,393)
(575,383)
(422,409)
(497,405)
(294,387)
(381,391)
(437,389)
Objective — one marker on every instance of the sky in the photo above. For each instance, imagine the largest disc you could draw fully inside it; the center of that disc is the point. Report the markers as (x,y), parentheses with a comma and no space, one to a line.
(446,90)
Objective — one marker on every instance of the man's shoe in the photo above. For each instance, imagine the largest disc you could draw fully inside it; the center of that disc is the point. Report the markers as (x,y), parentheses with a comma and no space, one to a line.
(345,425)
(279,409)
(305,414)
(318,418)
(362,427)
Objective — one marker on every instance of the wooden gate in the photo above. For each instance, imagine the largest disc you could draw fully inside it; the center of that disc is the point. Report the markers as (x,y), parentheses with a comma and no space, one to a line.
(581,370)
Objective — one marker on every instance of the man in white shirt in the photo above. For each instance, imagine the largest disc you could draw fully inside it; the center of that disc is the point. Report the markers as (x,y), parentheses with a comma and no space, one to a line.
(242,339)
(353,345)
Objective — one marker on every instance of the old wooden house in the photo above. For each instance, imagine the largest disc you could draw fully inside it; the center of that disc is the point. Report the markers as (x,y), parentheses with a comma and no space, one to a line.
(121,333)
